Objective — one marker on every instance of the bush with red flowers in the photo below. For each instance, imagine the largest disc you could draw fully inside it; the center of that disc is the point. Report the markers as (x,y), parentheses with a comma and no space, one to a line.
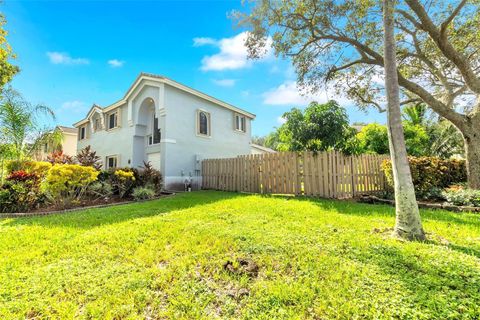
(20,192)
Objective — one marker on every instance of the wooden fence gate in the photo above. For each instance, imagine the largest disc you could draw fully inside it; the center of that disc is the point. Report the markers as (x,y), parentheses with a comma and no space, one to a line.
(323,174)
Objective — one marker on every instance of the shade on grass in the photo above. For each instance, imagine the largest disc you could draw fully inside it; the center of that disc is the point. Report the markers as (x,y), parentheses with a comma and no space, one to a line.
(165,259)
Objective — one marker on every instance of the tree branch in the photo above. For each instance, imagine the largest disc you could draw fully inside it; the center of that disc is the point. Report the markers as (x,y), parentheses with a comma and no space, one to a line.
(444,25)
(445,46)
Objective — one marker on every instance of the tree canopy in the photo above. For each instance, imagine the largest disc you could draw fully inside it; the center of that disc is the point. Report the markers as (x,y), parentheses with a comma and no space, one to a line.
(319,127)
(438,53)
(7,70)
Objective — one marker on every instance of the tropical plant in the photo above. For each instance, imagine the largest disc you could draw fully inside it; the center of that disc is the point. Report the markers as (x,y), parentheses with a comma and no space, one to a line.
(100,189)
(149,176)
(20,192)
(7,70)
(88,157)
(67,183)
(58,157)
(123,180)
(19,125)
(143,193)
(429,173)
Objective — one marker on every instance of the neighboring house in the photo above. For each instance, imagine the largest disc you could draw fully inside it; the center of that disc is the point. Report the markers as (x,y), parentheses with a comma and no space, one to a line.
(68,144)
(258,149)
(168,124)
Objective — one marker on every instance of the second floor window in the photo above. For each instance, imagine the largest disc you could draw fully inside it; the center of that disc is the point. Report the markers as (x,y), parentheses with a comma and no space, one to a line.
(83,133)
(112,120)
(97,125)
(204,123)
(156,134)
(240,123)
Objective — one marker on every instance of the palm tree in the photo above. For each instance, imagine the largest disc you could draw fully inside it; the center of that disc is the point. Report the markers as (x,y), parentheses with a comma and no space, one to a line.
(415,114)
(19,125)
(408,224)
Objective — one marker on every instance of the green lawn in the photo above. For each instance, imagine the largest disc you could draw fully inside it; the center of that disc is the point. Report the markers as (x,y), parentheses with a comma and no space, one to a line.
(316,259)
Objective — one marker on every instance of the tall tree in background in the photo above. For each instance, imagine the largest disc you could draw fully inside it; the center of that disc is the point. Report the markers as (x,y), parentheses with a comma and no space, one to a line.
(319,127)
(7,70)
(407,224)
(438,54)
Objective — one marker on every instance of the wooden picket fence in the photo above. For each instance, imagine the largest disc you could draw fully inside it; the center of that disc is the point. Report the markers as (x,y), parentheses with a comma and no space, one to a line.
(323,174)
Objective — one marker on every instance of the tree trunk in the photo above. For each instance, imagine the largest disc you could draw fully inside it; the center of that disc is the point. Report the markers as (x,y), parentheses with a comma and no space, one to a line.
(472,153)
(408,224)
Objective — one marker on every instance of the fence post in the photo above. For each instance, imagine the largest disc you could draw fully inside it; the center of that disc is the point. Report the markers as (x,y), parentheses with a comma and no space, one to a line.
(353,176)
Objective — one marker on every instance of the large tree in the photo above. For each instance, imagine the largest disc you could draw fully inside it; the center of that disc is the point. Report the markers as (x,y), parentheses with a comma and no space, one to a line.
(7,70)
(438,54)
(319,127)
(407,224)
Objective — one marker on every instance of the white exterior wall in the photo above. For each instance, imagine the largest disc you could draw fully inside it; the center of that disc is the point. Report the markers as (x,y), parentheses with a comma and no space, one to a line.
(69,144)
(184,145)
(113,142)
(180,145)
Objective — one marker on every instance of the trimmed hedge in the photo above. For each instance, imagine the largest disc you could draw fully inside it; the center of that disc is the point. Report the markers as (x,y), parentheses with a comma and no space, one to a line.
(429,173)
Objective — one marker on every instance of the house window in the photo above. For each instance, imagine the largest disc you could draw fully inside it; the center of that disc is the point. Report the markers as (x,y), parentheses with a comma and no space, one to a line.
(83,133)
(111,162)
(203,123)
(97,125)
(240,123)
(112,120)
(157,134)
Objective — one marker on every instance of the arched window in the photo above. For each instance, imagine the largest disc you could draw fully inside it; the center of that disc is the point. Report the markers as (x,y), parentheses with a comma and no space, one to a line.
(204,123)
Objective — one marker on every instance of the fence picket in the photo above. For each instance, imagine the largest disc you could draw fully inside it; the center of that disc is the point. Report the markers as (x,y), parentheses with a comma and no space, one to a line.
(324,174)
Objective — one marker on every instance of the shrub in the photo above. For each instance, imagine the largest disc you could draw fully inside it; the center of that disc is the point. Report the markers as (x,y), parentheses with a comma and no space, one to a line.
(88,158)
(123,181)
(20,192)
(462,197)
(58,157)
(38,167)
(429,173)
(143,193)
(65,183)
(100,189)
(148,176)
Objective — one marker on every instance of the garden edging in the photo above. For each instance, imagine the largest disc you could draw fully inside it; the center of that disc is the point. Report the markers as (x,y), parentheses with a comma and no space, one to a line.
(46,213)
(426,205)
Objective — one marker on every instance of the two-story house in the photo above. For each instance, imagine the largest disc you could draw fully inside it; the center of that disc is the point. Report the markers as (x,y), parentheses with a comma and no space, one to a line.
(168,124)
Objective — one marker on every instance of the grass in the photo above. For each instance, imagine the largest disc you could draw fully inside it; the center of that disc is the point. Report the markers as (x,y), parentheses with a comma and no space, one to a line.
(316,259)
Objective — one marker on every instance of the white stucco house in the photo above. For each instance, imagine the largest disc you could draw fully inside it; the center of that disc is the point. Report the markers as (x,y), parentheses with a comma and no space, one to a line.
(168,124)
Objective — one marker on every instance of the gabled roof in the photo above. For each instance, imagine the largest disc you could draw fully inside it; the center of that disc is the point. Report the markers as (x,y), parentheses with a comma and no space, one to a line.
(262,148)
(158,78)
(67,129)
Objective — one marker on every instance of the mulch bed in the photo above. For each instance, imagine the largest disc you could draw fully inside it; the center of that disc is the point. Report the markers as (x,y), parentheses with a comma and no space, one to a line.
(85,204)
(421,204)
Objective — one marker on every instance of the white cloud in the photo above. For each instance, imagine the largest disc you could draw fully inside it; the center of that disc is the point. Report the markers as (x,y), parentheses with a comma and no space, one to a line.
(115,63)
(75,106)
(281,120)
(233,53)
(201,41)
(64,58)
(224,82)
(288,94)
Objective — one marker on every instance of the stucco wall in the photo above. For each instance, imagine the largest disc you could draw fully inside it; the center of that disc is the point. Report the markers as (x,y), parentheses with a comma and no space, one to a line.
(117,141)
(184,143)
(69,144)
(180,145)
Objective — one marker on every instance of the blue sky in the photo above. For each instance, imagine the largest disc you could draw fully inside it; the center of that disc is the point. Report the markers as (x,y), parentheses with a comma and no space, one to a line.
(76,53)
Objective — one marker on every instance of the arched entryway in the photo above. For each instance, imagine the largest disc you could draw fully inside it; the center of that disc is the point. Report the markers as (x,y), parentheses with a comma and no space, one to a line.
(148,135)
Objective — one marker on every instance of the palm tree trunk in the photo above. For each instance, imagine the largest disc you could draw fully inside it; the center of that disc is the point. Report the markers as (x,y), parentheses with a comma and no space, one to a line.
(408,224)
